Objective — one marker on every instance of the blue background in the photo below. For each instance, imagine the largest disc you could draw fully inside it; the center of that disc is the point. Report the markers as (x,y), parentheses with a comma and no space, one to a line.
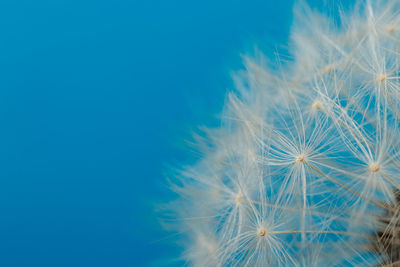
(96,98)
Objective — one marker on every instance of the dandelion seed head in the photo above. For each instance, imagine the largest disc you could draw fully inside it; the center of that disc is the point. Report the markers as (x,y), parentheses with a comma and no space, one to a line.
(324,183)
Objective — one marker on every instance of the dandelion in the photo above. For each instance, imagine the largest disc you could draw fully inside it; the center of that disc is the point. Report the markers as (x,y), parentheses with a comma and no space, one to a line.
(305,170)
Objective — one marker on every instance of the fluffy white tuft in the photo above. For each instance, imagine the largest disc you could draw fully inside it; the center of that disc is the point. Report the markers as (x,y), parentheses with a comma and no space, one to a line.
(306,163)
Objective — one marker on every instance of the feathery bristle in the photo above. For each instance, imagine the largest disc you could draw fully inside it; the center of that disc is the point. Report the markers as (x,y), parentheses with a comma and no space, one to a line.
(305,168)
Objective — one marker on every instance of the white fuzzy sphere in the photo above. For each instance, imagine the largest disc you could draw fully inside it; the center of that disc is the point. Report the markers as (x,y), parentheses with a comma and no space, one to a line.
(304,170)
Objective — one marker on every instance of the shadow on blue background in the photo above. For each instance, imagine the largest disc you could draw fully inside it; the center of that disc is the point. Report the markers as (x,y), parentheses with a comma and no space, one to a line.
(96,97)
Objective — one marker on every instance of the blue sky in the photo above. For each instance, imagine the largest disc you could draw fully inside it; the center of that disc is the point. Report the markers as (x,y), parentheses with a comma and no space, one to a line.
(96,100)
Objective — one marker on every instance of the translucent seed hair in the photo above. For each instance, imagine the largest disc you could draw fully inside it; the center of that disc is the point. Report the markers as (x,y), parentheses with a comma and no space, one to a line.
(305,169)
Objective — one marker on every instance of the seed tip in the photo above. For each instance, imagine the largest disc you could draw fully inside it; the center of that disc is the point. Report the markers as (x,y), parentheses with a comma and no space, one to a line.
(316,105)
(239,198)
(390,29)
(300,158)
(381,77)
(251,155)
(328,68)
(374,167)
(262,232)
